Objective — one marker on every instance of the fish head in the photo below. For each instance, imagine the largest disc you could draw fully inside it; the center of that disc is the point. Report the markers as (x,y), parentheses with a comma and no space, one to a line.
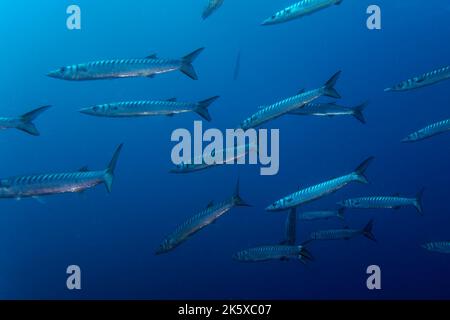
(277,206)
(165,246)
(412,137)
(6,190)
(273,19)
(61,73)
(101,110)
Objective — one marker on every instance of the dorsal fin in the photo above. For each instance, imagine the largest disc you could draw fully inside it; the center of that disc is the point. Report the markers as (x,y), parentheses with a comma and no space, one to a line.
(152,56)
(172,100)
(84,169)
(210,204)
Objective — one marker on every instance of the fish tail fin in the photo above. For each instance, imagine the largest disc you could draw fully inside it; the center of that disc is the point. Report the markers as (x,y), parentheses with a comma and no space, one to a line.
(237,197)
(109,172)
(202,108)
(27,124)
(367,231)
(358,112)
(187,68)
(418,201)
(341,212)
(329,89)
(305,254)
(360,171)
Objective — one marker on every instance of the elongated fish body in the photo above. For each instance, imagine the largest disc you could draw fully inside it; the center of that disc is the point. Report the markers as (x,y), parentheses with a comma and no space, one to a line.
(424,80)
(300,9)
(199,221)
(229,156)
(382,202)
(322,189)
(126,68)
(266,253)
(441,246)
(49,184)
(321,215)
(23,122)
(149,108)
(429,131)
(271,112)
(343,234)
(211,7)
(331,110)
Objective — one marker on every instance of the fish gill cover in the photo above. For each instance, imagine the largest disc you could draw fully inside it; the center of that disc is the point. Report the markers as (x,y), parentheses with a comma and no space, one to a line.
(134,65)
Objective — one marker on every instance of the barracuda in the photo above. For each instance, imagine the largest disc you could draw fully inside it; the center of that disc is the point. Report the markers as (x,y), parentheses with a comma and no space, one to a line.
(24,122)
(424,80)
(271,112)
(127,68)
(429,131)
(393,202)
(440,246)
(322,189)
(331,110)
(230,155)
(150,108)
(321,215)
(199,221)
(267,253)
(299,9)
(49,184)
(211,7)
(344,234)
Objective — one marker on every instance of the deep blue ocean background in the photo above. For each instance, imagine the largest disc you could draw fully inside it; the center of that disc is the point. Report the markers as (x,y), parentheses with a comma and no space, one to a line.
(113,237)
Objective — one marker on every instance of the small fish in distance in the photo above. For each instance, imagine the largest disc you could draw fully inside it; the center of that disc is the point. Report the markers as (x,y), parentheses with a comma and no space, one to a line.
(429,131)
(299,9)
(424,80)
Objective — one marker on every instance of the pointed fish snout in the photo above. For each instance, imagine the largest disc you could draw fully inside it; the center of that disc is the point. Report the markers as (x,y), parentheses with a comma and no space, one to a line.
(53,74)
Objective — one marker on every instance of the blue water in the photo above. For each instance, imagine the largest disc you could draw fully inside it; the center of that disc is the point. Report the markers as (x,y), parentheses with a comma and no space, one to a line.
(113,237)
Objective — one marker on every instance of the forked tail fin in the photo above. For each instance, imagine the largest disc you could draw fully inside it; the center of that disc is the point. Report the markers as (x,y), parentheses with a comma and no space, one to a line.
(202,108)
(329,89)
(187,68)
(27,124)
(305,254)
(360,171)
(238,201)
(418,201)
(109,172)
(358,112)
(367,231)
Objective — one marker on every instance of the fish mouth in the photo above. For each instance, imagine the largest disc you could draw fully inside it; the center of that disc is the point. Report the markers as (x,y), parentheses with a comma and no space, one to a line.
(266,22)
(406,140)
(53,74)
(86,111)
(388,89)
(272,208)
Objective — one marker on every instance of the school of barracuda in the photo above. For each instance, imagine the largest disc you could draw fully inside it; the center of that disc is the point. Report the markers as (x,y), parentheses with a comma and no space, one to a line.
(303,103)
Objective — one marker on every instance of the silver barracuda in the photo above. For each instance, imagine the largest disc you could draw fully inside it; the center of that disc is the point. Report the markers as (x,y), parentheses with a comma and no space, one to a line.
(429,131)
(440,246)
(127,68)
(199,221)
(299,9)
(271,112)
(321,215)
(344,234)
(49,184)
(150,108)
(331,110)
(23,122)
(229,156)
(392,202)
(322,189)
(211,7)
(424,80)
(279,252)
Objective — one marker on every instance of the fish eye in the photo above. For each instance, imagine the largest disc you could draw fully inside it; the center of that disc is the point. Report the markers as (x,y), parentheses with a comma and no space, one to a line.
(96,108)
(63,69)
